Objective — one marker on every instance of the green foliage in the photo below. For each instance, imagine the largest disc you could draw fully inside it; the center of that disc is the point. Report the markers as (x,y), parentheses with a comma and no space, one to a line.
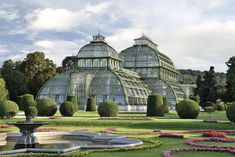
(37,70)
(91,104)
(155,105)
(14,78)
(8,109)
(230,112)
(46,107)
(74,100)
(209,109)
(28,100)
(195,98)
(188,109)
(230,77)
(220,106)
(165,105)
(209,103)
(108,109)
(67,109)
(3,90)
(31,111)
(19,101)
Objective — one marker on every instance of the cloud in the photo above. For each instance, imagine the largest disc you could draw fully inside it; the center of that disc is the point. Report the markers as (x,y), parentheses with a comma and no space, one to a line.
(7,12)
(61,19)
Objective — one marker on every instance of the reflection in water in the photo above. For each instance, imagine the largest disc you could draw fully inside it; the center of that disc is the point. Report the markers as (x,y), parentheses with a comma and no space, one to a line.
(49,144)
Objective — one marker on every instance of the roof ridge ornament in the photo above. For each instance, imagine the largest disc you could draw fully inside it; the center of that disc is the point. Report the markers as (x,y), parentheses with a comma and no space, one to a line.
(98,38)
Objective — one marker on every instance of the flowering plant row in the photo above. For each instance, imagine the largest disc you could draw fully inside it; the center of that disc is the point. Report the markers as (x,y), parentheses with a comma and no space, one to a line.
(171,135)
(214,134)
(170,153)
(5,126)
(193,142)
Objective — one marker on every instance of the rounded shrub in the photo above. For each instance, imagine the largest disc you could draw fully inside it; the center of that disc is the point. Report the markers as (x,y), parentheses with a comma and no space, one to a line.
(91,104)
(187,109)
(31,111)
(220,107)
(19,101)
(74,100)
(28,100)
(209,103)
(8,109)
(155,105)
(67,109)
(165,105)
(108,109)
(230,112)
(46,107)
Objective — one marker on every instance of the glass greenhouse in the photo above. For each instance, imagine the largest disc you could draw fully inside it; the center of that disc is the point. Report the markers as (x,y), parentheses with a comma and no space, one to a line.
(98,73)
(155,68)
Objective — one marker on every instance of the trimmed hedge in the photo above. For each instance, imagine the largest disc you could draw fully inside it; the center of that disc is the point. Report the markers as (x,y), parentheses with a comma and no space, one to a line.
(155,105)
(8,109)
(230,112)
(209,103)
(28,100)
(188,109)
(91,104)
(20,102)
(74,100)
(108,109)
(46,107)
(165,105)
(67,109)
(31,111)
(220,106)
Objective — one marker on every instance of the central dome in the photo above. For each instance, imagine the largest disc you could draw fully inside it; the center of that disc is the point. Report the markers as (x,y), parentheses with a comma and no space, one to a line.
(97,48)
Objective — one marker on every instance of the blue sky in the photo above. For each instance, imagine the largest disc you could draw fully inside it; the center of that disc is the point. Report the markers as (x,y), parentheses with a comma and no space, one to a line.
(193,33)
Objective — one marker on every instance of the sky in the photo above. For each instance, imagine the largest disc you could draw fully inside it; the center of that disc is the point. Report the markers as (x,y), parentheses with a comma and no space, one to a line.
(195,34)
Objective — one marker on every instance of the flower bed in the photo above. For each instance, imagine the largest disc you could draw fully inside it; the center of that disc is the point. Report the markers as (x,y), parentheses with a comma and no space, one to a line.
(193,142)
(46,129)
(5,126)
(170,135)
(214,134)
(171,152)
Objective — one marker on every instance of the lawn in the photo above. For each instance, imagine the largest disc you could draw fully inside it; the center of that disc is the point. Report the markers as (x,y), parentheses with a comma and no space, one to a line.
(89,121)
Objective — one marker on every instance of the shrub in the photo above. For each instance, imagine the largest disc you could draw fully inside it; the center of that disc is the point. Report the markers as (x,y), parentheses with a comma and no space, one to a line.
(220,107)
(230,112)
(214,134)
(74,100)
(195,98)
(165,105)
(67,109)
(20,102)
(31,111)
(209,109)
(28,100)
(108,109)
(209,103)
(46,107)
(187,109)
(91,104)
(155,105)
(8,109)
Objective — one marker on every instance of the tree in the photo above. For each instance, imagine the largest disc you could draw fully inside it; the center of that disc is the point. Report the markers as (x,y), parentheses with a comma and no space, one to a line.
(207,88)
(37,70)
(3,90)
(15,79)
(67,63)
(230,76)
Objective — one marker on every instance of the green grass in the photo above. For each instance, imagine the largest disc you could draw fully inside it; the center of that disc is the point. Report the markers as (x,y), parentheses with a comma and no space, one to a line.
(90,121)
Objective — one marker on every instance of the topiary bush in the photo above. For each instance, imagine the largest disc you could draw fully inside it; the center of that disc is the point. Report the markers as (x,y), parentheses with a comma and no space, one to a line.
(31,111)
(28,100)
(74,100)
(209,103)
(195,98)
(91,104)
(20,102)
(46,107)
(187,109)
(67,109)
(108,109)
(8,109)
(230,112)
(165,105)
(155,105)
(220,107)
(209,109)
